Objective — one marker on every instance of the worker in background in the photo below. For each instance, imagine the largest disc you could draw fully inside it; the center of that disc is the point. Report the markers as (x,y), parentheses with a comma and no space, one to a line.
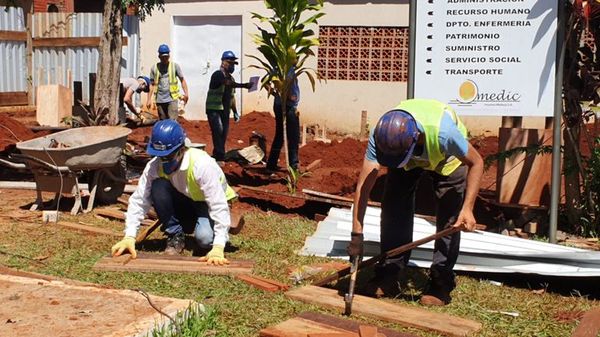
(165,77)
(292,126)
(219,101)
(418,136)
(130,86)
(188,191)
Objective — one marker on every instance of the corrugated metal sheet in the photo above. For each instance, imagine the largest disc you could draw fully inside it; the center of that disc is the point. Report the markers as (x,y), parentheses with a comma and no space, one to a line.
(479,251)
(51,65)
(13,68)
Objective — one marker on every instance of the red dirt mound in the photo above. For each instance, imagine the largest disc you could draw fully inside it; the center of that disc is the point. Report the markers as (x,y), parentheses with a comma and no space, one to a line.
(12,132)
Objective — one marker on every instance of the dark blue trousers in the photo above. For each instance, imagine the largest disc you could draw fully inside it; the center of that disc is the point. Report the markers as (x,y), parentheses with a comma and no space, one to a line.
(218,120)
(397,218)
(293,136)
(178,213)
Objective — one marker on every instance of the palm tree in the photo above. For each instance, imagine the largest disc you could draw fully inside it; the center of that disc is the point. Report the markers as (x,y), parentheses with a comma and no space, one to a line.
(286,47)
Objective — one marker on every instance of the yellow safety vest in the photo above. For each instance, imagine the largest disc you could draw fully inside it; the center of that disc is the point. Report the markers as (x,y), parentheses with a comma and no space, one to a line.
(429,114)
(195,191)
(173,82)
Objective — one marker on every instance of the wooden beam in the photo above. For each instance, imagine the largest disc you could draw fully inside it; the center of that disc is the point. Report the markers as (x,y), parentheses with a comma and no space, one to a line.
(88,229)
(171,264)
(589,326)
(11,35)
(12,98)
(396,313)
(143,234)
(312,323)
(18,109)
(54,42)
(263,283)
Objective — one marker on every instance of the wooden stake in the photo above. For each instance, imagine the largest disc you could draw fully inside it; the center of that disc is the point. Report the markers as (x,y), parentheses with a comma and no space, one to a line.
(363,125)
(304,131)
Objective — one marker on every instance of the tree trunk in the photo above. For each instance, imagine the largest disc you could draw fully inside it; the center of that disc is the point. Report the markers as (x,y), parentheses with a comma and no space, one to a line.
(106,93)
(572,179)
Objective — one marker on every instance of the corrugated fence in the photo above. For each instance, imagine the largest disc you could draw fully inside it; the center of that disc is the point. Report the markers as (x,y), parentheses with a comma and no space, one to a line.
(52,64)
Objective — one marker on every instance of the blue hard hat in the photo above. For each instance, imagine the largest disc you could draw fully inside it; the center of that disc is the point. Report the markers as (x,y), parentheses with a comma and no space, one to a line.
(229,55)
(147,80)
(163,49)
(167,136)
(395,137)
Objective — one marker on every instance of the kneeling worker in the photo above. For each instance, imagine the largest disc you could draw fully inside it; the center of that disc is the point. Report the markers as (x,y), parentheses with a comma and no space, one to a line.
(182,184)
(418,135)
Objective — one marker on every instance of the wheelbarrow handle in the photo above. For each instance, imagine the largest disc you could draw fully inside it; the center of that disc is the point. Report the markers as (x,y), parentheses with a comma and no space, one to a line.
(60,169)
(17,166)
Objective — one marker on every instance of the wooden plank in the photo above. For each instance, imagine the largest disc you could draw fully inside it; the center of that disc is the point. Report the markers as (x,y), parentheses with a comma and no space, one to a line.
(367,331)
(11,35)
(332,334)
(299,327)
(171,264)
(589,326)
(12,98)
(18,109)
(523,179)
(88,229)
(251,280)
(143,234)
(110,213)
(348,324)
(65,42)
(263,283)
(409,316)
(296,196)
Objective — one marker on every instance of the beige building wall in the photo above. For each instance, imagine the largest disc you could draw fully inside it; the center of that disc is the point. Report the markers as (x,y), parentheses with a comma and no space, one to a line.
(335,103)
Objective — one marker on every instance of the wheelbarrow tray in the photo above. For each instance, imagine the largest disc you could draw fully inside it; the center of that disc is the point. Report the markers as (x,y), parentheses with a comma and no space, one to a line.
(86,148)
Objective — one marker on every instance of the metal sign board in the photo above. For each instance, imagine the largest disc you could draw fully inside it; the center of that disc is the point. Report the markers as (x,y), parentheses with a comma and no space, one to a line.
(486,57)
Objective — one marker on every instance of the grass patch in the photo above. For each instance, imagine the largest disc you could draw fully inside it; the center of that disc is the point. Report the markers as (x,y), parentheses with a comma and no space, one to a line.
(272,241)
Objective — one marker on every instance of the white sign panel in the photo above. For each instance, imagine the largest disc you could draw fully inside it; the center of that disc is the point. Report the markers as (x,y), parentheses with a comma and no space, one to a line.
(487,57)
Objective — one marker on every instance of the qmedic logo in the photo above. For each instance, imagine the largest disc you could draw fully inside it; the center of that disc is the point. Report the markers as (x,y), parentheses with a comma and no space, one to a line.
(469,92)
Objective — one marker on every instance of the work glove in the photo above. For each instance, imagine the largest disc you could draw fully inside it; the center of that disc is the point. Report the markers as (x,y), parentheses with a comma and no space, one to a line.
(128,243)
(236,116)
(355,247)
(215,256)
(248,85)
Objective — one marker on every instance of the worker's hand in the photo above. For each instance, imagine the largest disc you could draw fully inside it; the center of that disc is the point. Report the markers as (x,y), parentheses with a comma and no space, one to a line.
(466,221)
(355,247)
(248,85)
(236,116)
(215,256)
(184,98)
(128,243)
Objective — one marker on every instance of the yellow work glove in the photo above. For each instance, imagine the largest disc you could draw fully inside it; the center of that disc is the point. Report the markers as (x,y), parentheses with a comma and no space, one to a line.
(128,243)
(215,256)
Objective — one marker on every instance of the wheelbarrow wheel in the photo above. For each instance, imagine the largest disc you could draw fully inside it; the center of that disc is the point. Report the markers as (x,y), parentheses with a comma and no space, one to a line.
(108,189)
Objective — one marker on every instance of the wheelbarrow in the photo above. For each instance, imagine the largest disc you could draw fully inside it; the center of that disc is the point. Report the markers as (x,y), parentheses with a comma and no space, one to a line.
(59,160)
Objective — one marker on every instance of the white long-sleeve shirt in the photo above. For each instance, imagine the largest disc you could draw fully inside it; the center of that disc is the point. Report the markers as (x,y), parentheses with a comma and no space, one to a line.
(209,178)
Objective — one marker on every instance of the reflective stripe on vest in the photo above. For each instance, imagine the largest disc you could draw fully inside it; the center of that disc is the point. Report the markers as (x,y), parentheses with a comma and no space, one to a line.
(173,83)
(194,189)
(214,98)
(429,114)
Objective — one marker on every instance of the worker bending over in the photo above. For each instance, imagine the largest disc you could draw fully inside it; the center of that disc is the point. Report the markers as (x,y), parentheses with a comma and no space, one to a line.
(188,191)
(418,135)
(132,86)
